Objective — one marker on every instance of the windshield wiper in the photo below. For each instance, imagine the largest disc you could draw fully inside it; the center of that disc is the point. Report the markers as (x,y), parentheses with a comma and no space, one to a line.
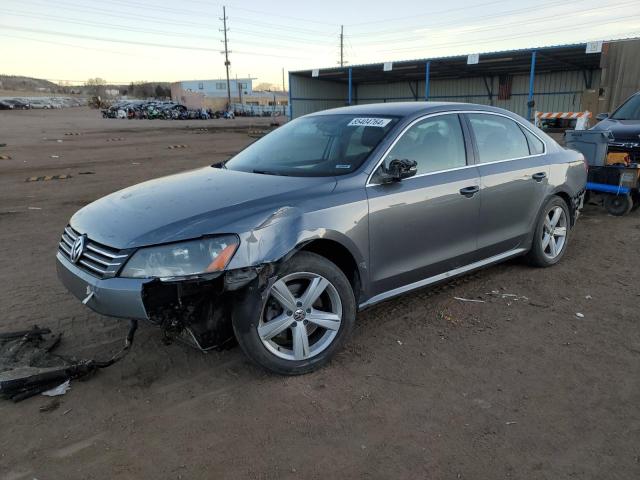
(268,172)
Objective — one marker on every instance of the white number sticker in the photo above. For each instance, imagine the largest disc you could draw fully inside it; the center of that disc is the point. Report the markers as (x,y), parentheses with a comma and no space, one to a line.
(369,122)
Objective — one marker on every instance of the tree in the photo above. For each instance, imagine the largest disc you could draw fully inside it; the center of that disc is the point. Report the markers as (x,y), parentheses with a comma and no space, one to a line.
(265,87)
(96,86)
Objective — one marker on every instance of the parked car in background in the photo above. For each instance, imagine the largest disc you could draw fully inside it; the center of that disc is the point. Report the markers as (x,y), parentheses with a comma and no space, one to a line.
(624,124)
(18,104)
(4,105)
(327,215)
(39,104)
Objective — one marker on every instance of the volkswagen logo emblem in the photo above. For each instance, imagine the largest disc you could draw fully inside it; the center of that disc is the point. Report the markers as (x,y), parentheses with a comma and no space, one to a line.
(77,249)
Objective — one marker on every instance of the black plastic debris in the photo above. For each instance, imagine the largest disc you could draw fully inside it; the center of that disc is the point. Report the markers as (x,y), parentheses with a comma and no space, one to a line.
(29,367)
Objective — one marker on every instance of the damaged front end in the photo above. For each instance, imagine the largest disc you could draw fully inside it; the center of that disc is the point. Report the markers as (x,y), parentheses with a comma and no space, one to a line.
(199,310)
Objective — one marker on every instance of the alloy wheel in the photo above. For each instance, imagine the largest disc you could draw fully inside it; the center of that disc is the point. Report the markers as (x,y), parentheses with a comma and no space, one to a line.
(301,317)
(554,232)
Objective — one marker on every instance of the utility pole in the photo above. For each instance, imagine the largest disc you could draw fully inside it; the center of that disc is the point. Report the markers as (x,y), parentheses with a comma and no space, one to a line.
(342,45)
(226,54)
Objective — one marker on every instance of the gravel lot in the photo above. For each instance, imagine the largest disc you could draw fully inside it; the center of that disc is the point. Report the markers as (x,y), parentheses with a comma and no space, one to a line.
(429,386)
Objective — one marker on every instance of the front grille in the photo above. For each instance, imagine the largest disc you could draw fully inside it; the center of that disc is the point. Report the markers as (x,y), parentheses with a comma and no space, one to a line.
(99,260)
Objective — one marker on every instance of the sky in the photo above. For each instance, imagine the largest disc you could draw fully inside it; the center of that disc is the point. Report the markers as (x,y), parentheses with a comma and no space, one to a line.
(146,40)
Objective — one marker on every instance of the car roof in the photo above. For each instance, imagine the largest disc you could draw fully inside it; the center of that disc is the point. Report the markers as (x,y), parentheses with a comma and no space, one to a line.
(405,109)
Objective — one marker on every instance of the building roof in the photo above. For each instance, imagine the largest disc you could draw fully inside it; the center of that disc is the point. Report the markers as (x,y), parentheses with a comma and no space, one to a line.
(548,59)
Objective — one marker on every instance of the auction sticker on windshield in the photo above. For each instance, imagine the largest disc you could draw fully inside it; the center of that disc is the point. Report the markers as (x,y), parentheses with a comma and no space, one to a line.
(369,122)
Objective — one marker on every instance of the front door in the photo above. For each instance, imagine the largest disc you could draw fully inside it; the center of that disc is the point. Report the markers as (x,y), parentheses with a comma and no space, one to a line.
(427,224)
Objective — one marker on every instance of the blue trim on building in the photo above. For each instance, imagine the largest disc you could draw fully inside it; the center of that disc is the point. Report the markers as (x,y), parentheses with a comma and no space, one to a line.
(532,74)
(427,85)
(290,98)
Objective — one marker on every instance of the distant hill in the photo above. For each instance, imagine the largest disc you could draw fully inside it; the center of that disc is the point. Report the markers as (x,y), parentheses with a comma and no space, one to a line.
(16,83)
(28,84)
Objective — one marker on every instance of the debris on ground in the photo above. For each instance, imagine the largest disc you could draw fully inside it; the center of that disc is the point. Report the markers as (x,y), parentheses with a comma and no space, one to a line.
(86,173)
(29,367)
(59,390)
(5,157)
(50,406)
(580,315)
(507,296)
(46,178)
(257,133)
(171,147)
(469,300)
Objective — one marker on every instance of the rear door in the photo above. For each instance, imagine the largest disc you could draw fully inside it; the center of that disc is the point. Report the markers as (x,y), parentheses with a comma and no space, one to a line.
(514,175)
(427,224)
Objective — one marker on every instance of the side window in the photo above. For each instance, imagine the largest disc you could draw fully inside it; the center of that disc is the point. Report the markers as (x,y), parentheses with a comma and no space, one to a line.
(436,143)
(535,144)
(498,138)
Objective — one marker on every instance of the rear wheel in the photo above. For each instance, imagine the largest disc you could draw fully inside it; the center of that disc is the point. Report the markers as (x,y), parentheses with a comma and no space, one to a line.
(551,235)
(618,205)
(308,313)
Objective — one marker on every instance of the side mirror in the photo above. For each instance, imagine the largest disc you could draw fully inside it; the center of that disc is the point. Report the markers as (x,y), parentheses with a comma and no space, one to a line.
(397,169)
(602,116)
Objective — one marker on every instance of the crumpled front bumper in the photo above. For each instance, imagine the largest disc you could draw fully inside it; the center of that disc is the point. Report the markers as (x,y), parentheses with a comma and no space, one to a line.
(114,297)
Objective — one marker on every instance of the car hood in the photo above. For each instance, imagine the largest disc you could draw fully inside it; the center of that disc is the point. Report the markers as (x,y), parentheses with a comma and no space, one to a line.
(623,130)
(191,204)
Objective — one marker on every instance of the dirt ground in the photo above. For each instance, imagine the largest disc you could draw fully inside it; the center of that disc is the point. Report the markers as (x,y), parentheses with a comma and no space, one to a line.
(429,387)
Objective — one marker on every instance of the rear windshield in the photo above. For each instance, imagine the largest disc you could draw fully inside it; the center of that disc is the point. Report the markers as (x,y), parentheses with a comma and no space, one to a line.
(316,146)
(630,110)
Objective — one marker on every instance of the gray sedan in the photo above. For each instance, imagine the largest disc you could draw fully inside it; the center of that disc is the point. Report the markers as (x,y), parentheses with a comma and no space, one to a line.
(283,244)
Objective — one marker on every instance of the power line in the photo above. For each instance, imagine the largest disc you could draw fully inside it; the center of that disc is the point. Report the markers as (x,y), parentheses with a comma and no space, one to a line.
(510,36)
(109,13)
(132,42)
(105,25)
(403,30)
(130,29)
(501,26)
(84,47)
(430,14)
(263,12)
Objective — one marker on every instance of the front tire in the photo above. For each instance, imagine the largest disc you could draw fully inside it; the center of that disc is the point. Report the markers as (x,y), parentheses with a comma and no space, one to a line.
(306,317)
(551,235)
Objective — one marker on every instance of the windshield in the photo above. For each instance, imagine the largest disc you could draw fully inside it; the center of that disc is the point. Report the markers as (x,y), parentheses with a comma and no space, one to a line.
(630,110)
(316,146)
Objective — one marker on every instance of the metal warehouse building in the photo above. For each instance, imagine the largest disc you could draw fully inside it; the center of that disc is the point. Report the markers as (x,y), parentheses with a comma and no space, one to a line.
(596,76)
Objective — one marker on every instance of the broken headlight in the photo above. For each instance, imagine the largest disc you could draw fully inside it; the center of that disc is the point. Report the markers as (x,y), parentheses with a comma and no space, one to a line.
(183,258)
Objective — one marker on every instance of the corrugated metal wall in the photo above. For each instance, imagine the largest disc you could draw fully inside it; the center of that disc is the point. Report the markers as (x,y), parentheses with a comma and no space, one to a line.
(310,95)
(620,74)
(558,91)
